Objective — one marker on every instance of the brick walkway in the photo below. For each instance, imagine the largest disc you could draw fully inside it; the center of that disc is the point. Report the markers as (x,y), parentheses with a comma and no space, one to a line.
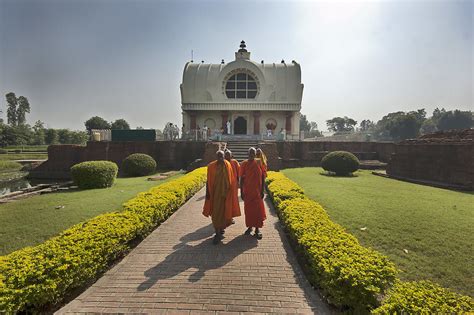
(177,270)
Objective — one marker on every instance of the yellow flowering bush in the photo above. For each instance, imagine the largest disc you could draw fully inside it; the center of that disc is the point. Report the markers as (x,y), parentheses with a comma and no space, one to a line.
(423,297)
(36,276)
(350,274)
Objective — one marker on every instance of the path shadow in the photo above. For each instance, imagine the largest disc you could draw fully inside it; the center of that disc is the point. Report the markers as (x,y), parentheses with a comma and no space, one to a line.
(204,257)
(199,234)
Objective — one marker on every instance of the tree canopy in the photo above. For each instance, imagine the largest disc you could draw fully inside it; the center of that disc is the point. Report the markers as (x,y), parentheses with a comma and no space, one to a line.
(16,109)
(120,124)
(341,124)
(96,122)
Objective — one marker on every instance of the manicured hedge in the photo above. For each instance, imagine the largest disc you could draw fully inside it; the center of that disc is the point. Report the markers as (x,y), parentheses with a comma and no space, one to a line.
(94,174)
(341,163)
(36,276)
(350,274)
(138,164)
(423,297)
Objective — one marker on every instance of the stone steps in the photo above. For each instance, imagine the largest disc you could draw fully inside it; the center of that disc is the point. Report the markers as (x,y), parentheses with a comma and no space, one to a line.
(240,148)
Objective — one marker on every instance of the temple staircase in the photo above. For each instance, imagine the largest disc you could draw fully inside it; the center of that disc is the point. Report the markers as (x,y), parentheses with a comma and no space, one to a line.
(240,148)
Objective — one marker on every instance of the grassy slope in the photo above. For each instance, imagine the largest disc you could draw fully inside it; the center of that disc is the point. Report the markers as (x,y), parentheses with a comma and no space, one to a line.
(9,166)
(32,221)
(435,225)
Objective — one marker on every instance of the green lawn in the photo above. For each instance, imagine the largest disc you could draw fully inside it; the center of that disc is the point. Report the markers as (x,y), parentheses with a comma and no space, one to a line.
(9,166)
(435,225)
(32,221)
(23,156)
(26,148)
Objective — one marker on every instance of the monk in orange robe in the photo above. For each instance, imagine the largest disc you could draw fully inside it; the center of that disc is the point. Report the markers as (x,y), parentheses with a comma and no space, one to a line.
(235,184)
(262,159)
(219,198)
(251,189)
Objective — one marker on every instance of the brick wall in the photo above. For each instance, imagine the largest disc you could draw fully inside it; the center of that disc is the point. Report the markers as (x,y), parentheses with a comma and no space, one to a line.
(168,155)
(310,153)
(443,163)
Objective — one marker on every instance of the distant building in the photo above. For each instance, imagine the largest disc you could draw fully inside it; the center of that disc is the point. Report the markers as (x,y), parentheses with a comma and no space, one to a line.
(253,96)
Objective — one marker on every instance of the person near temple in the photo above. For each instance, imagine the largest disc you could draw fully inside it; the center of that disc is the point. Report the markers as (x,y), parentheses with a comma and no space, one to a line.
(235,184)
(219,195)
(251,190)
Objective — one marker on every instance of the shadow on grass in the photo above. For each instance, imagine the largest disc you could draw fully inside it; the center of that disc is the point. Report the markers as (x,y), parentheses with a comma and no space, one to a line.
(332,174)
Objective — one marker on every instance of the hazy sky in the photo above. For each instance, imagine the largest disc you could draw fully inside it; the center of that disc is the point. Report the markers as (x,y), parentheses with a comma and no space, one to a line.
(124,59)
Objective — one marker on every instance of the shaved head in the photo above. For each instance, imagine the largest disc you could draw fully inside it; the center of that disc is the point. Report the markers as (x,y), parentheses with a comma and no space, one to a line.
(220,155)
(252,153)
(228,155)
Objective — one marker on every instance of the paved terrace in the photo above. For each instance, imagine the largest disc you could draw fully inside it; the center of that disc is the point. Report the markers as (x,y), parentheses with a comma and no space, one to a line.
(177,270)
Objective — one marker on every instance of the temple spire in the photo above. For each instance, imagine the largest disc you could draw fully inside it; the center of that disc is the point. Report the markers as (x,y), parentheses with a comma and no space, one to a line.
(242,53)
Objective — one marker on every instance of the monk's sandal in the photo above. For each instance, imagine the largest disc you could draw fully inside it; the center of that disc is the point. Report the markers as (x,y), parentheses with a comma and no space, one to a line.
(258,235)
(248,231)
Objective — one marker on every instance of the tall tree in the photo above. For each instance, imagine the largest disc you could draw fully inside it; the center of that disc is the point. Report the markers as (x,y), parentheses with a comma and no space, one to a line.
(39,133)
(341,124)
(401,125)
(23,108)
(455,120)
(96,122)
(51,136)
(366,125)
(304,124)
(120,124)
(11,108)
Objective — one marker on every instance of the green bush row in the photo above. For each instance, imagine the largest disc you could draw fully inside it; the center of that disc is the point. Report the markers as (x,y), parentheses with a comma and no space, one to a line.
(33,277)
(350,274)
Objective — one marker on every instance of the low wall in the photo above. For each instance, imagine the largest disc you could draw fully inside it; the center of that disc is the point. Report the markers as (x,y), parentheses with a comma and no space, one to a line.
(168,155)
(451,165)
(310,153)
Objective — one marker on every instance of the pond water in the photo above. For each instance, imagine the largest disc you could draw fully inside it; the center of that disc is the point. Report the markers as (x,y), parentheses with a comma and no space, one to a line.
(12,182)
(8,186)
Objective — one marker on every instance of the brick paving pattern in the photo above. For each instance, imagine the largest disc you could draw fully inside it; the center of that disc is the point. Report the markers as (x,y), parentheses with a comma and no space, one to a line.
(177,270)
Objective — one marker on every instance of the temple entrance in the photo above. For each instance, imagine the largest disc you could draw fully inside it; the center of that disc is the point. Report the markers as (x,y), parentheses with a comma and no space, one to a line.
(240,126)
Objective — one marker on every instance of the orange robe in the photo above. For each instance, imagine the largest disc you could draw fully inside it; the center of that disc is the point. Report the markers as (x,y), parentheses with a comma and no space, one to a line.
(235,188)
(219,204)
(251,172)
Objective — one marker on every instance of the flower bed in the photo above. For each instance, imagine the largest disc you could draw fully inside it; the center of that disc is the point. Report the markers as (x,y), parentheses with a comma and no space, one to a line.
(33,277)
(349,274)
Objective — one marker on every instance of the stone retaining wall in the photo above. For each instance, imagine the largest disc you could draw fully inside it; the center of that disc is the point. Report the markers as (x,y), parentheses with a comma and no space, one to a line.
(306,153)
(448,164)
(168,155)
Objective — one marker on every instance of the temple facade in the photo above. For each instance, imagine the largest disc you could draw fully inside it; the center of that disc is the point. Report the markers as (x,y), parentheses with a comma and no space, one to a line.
(242,97)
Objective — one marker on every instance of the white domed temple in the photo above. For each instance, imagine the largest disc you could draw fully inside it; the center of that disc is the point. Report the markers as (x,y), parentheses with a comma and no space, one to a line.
(242,97)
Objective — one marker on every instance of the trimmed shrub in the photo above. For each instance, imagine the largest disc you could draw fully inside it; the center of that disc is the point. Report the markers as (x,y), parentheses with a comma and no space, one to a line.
(3,151)
(342,163)
(423,297)
(138,164)
(33,277)
(350,274)
(94,174)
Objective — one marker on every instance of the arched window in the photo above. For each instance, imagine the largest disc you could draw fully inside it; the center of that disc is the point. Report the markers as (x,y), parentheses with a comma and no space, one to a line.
(241,85)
